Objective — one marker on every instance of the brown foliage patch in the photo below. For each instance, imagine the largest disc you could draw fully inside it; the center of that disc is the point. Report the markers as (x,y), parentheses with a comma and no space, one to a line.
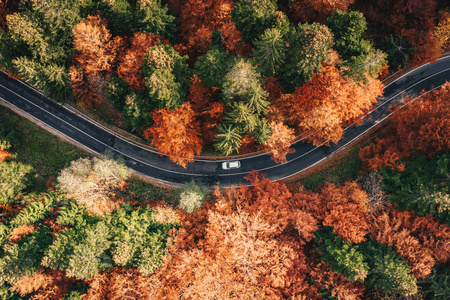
(4,155)
(122,284)
(19,232)
(51,284)
(344,209)
(390,230)
(339,286)
(422,126)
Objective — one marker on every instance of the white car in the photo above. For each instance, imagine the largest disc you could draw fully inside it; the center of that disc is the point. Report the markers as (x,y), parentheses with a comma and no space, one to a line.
(228,165)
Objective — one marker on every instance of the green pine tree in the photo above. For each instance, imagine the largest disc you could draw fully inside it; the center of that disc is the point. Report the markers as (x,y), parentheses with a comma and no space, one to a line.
(263,132)
(241,82)
(24,257)
(32,214)
(309,45)
(90,256)
(397,50)
(359,55)
(342,257)
(58,254)
(42,32)
(388,271)
(136,109)
(242,117)
(253,17)
(419,186)
(269,52)
(348,28)
(72,214)
(437,286)
(213,65)
(154,18)
(167,76)
(228,140)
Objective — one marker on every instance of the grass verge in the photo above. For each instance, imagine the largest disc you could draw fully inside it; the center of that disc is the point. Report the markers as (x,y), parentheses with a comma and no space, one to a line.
(345,167)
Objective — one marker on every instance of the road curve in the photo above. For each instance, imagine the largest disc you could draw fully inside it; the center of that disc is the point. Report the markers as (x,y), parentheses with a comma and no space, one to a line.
(26,100)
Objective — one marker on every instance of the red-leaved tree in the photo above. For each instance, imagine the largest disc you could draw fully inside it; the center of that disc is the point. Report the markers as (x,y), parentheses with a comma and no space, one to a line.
(322,106)
(316,10)
(422,126)
(176,133)
(344,209)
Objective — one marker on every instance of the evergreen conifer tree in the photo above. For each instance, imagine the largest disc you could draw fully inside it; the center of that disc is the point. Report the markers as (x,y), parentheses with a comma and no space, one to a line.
(228,139)
(341,257)
(269,51)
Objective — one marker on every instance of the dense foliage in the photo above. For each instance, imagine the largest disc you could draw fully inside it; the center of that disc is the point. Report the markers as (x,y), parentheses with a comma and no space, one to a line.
(128,60)
(269,239)
(233,76)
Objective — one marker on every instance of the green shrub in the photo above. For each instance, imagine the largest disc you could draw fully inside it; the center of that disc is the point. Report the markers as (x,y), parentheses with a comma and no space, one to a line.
(24,257)
(58,253)
(13,180)
(90,255)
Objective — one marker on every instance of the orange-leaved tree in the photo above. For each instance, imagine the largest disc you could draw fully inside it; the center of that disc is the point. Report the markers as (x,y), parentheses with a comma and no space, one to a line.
(199,19)
(241,257)
(176,133)
(93,65)
(442,31)
(4,155)
(207,108)
(7,7)
(344,209)
(120,284)
(430,233)
(337,284)
(48,284)
(322,106)
(422,126)
(279,143)
(247,246)
(129,67)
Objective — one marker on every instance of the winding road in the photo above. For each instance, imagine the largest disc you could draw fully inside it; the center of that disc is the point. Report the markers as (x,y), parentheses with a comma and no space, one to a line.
(25,100)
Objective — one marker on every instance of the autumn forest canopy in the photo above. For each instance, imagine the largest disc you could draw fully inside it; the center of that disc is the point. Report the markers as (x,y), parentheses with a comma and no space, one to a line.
(226,77)
(89,230)
(221,77)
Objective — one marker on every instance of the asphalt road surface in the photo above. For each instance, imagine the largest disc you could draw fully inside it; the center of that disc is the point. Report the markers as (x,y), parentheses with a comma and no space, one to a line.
(149,163)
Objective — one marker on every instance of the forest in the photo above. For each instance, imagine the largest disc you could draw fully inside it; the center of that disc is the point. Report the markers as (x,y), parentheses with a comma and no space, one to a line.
(226,77)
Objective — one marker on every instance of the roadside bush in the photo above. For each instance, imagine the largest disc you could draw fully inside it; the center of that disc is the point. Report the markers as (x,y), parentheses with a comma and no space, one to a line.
(192,196)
